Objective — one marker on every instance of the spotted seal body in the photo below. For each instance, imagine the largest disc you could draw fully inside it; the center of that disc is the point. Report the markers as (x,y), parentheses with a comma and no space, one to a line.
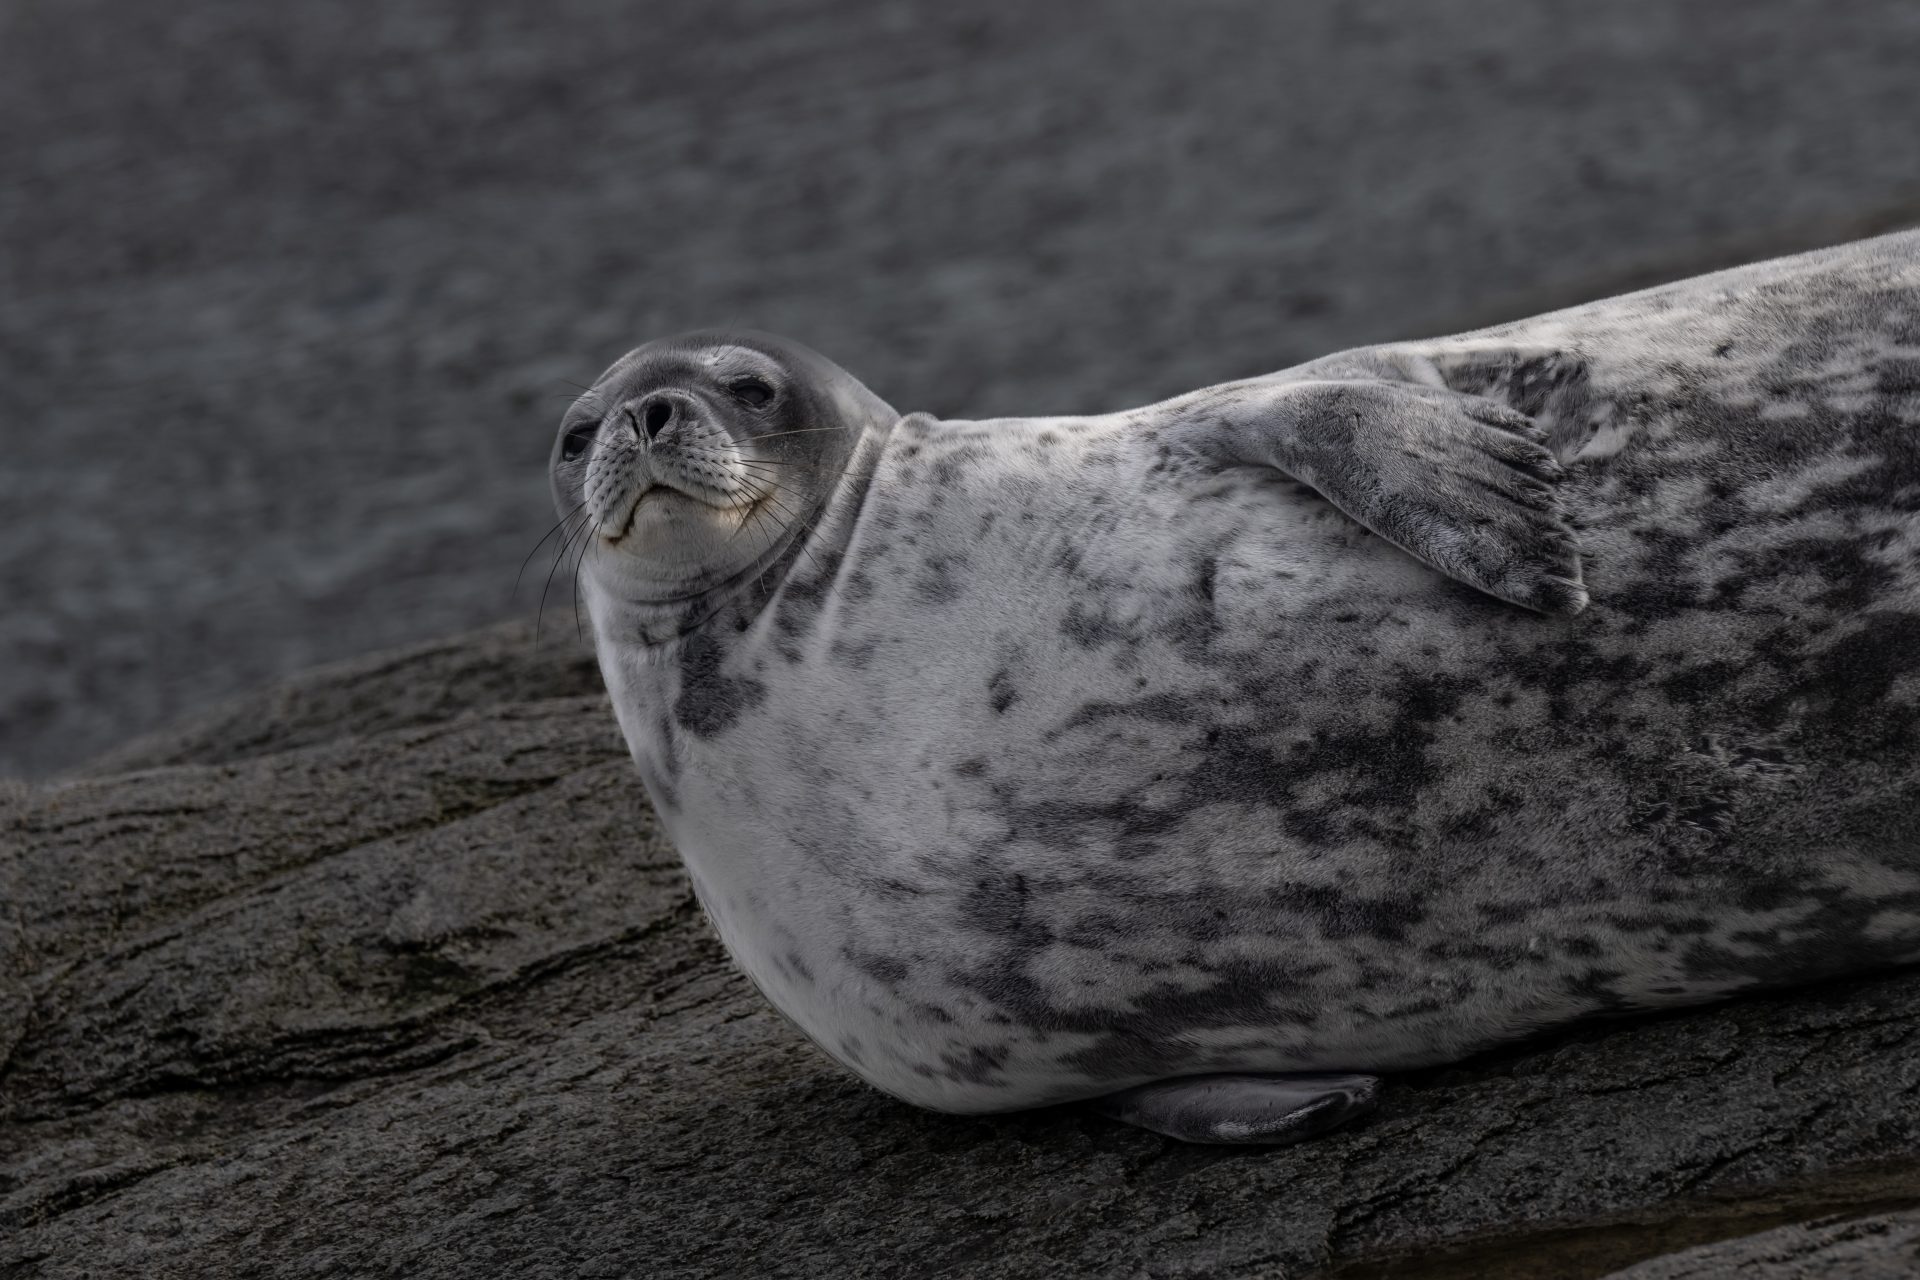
(1134,757)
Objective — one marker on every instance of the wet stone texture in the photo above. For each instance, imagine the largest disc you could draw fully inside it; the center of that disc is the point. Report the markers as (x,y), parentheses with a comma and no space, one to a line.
(388,972)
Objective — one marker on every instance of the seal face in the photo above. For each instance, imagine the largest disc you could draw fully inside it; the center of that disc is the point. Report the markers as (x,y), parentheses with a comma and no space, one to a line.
(691,460)
(1197,758)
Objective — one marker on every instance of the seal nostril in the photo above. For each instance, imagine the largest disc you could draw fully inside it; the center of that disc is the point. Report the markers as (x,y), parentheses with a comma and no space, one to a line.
(657,415)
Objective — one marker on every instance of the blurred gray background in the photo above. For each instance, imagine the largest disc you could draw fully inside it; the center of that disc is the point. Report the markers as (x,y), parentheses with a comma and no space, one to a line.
(291,294)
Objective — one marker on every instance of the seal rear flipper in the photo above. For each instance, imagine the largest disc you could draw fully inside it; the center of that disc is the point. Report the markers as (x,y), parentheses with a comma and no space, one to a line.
(1459,482)
(1253,1110)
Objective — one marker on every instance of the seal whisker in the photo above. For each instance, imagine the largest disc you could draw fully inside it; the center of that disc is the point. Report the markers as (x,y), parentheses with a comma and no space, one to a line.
(764,498)
(536,546)
(775,435)
(762,466)
(767,481)
(559,552)
(587,546)
(559,555)
(806,530)
(733,454)
(735,460)
(761,489)
(753,513)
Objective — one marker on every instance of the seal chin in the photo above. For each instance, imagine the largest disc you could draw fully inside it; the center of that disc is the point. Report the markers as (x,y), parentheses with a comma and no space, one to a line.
(655,507)
(675,547)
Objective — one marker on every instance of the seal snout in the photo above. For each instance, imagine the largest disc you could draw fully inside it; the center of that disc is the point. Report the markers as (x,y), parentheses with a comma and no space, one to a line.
(667,445)
(655,412)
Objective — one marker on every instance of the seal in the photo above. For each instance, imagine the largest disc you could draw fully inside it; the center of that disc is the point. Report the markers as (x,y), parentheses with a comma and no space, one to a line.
(1207,760)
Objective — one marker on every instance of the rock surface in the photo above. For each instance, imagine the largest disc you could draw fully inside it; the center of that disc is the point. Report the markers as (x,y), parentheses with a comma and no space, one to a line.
(1878,1247)
(389,972)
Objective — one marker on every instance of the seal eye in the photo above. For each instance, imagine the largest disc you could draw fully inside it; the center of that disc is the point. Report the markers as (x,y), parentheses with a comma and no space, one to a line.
(575,442)
(750,391)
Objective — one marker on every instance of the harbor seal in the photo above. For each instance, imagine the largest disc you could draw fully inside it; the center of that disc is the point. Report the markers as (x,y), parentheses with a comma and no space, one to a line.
(1207,760)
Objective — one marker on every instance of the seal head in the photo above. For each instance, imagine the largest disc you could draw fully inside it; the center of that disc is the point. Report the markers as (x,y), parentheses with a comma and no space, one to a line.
(697,460)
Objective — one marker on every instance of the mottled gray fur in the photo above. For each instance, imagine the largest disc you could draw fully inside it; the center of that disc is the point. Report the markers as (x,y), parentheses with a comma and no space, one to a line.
(1041,758)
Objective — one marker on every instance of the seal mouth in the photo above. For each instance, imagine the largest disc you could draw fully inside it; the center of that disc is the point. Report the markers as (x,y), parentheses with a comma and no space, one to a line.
(657,493)
(633,510)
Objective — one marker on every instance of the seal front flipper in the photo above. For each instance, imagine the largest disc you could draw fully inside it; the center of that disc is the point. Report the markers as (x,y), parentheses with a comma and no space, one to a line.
(1459,482)
(1254,1110)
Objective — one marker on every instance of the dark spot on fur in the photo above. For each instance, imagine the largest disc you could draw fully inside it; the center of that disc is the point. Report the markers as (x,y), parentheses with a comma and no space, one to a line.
(998,904)
(893,889)
(939,579)
(1087,629)
(1897,376)
(882,969)
(1165,708)
(854,654)
(979,1064)
(710,701)
(1339,915)
(1850,685)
